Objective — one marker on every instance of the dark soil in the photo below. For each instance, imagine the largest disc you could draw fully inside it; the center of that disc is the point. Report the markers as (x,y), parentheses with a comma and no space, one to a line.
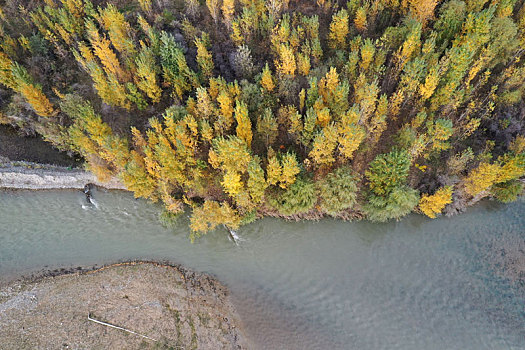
(32,149)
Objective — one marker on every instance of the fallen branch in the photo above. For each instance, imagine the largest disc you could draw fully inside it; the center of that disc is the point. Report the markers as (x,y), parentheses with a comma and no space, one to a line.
(117,327)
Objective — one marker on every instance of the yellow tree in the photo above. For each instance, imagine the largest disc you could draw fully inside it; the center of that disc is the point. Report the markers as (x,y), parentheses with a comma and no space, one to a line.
(36,98)
(274,170)
(481,178)
(324,145)
(213,7)
(360,21)
(422,10)
(104,52)
(338,30)
(225,120)
(290,169)
(228,10)
(431,205)
(244,125)
(31,92)
(232,183)
(267,79)
(286,64)
(256,184)
(147,74)
(351,134)
(229,154)
(115,23)
(210,215)
(267,127)
(204,57)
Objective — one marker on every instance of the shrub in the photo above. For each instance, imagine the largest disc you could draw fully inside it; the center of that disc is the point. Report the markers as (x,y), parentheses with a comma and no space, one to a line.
(508,191)
(397,204)
(337,191)
(299,198)
(388,171)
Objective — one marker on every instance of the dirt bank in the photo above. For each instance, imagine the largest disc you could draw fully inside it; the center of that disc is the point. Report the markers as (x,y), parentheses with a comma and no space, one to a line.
(34,176)
(32,149)
(179,309)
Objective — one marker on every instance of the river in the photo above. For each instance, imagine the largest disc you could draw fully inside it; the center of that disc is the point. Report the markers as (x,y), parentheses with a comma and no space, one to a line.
(449,283)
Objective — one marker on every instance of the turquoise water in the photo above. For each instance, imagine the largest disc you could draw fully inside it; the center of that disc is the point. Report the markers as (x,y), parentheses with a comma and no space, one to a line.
(414,284)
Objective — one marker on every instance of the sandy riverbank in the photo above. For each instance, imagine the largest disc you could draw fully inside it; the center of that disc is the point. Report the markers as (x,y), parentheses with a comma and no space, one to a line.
(34,176)
(177,308)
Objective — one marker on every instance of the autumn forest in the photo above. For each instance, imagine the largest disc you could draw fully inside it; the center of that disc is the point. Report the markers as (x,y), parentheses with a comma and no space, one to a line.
(239,109)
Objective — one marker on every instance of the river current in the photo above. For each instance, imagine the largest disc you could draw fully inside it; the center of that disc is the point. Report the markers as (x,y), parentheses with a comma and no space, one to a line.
(449,283)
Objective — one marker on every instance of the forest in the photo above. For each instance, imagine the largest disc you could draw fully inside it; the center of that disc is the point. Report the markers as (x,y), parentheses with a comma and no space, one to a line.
(239,109)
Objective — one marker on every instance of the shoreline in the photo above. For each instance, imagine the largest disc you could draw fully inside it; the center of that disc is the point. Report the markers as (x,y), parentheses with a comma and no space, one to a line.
(175,306)
(21,175)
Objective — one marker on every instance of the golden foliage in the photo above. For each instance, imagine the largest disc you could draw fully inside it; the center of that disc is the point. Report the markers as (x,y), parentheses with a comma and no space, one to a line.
(360,21)
(351,134)
(338,30)
(232,184)
(228,10)
(115,23)
(481,178)
(244,125)
(290,169)
(324,145)
(204,58)
(431,205)
(36,98)
(286,64)
(267,79)
(147,75)
(274,170)
(212,214)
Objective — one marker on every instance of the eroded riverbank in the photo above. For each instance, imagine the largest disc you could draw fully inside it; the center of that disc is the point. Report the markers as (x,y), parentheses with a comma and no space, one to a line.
(173,306)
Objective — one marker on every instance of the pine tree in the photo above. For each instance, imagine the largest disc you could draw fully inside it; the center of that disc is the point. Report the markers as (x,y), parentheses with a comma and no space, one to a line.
(388,171)
(337,191)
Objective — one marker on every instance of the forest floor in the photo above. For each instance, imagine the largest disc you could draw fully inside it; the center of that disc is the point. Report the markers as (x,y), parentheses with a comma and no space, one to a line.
(177,308)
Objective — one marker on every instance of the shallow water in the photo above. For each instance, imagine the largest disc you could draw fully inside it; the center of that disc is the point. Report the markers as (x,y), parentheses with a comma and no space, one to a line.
(413,284)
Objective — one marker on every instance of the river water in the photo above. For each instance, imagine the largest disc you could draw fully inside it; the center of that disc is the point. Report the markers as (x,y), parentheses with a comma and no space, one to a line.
(414,284)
